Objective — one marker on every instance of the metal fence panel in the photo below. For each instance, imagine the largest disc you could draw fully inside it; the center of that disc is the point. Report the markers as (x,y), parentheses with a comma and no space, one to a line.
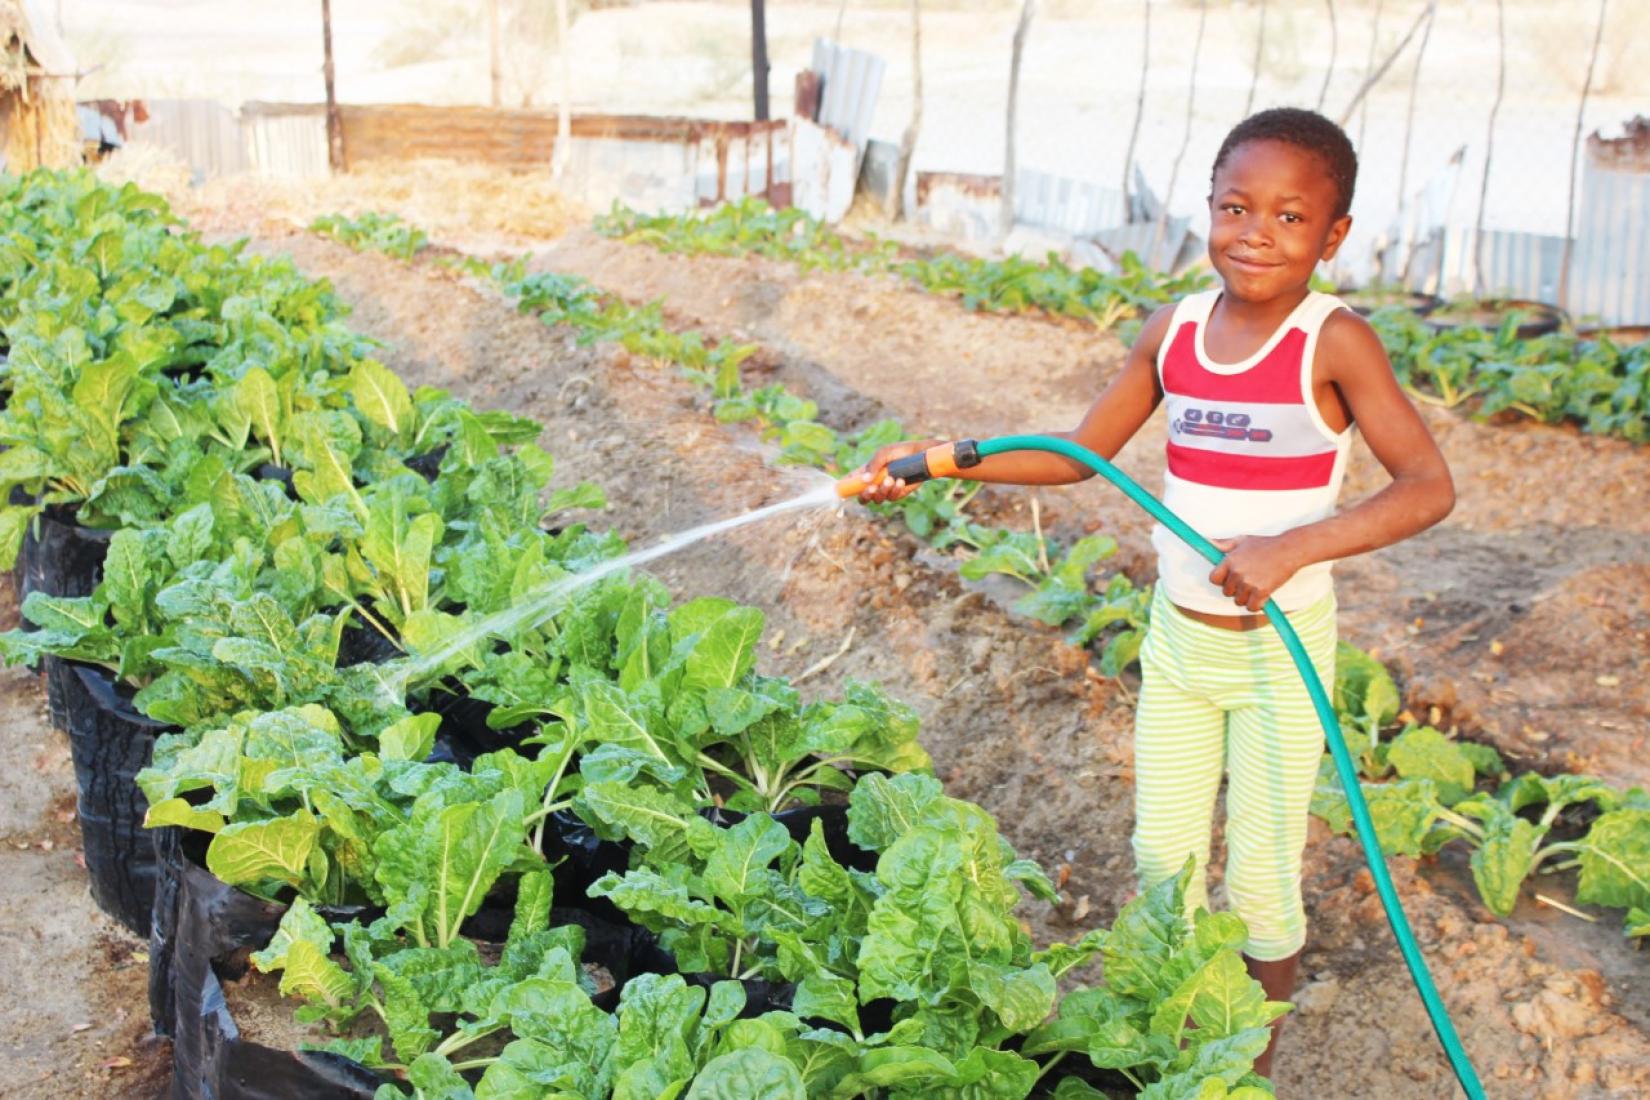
(853,80)
(1610,275)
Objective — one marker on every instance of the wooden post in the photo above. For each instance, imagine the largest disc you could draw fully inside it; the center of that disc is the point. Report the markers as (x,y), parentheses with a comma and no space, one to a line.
(495,69)
(1185,140)
(1334,46)
(1028,9)
(564,112)
(335,124)
(1478,287)
(1254,66)
(1575,155)
(908,140)
(1139,110)
(1369,68)
(759,57)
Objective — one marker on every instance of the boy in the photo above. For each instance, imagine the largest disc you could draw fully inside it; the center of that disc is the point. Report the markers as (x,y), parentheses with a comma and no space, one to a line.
(1264,380)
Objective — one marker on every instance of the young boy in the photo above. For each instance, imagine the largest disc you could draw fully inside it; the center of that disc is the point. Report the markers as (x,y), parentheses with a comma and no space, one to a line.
(1264,379)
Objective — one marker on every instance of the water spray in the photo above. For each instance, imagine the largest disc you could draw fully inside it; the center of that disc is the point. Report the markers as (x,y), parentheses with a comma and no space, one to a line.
(948,459)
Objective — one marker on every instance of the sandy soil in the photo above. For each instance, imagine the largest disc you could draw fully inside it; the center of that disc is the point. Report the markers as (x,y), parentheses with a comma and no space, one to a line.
(74,1014)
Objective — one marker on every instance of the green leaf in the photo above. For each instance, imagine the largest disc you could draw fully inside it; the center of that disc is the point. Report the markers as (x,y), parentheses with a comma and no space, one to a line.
(259,851)
(411,738)
(381,397)
(1022,998)
(1363,687)
(1426,753)
(826,996)
(735,868)
(177,811)
(1504,859)
(1615,860)
(583,495)
(725,651)
(748,1075)
(257,398)
(881,809)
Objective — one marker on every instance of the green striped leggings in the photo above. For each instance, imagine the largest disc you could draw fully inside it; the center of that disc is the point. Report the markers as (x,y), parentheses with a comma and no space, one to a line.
(1215,700)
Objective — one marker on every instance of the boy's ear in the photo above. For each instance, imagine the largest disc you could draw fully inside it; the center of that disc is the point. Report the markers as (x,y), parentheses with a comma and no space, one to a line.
(1338,230)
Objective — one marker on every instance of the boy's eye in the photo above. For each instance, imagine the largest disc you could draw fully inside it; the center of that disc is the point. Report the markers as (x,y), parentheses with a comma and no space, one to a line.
(1232,208)
(1291,218)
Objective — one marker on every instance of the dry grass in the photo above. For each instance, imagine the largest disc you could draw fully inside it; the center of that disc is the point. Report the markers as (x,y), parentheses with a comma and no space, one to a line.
(459,203)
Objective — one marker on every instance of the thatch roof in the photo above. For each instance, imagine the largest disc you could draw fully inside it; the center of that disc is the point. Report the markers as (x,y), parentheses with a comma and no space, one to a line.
(30,45)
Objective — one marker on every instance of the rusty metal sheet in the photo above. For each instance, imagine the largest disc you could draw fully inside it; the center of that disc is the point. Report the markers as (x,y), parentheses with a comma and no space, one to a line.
(824,169)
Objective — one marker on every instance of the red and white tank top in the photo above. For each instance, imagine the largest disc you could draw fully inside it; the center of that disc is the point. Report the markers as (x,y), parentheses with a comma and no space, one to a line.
(1248,451)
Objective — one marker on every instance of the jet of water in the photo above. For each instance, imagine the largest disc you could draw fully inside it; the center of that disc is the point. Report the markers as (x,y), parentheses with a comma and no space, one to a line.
(546,601)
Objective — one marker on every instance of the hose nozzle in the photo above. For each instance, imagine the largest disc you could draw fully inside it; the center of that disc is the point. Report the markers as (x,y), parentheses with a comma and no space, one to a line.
(940,460)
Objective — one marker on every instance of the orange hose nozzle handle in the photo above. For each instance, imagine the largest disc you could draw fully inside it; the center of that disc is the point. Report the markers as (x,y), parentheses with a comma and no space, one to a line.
(940,460)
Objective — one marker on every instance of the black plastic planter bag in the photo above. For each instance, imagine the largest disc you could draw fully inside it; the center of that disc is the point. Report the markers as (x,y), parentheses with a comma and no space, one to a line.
(202,933)
(110,742)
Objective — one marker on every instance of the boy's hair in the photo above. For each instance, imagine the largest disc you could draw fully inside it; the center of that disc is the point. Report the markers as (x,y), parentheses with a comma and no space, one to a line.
(1306,130)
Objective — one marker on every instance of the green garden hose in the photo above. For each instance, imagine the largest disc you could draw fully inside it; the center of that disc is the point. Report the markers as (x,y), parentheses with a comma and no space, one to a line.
(959,456)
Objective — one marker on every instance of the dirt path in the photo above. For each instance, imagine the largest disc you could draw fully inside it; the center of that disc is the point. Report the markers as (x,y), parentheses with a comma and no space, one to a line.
(74,1015)
(1525,616)
(1548,1006)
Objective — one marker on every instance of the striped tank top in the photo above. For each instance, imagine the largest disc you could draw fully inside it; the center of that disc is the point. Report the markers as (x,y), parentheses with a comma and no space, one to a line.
(1248,451)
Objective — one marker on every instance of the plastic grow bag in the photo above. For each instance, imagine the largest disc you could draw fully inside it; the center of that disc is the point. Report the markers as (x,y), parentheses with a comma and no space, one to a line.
(203,932)
(110,741)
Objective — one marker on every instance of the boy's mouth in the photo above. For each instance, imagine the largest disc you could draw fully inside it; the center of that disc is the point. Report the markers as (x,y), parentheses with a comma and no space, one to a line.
(1249,264)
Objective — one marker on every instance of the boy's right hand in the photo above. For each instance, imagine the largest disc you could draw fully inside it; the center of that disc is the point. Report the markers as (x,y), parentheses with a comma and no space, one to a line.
(879,487)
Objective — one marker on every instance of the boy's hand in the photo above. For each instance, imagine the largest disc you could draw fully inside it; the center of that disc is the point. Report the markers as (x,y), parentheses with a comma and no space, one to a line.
(879,487)
(1255,567)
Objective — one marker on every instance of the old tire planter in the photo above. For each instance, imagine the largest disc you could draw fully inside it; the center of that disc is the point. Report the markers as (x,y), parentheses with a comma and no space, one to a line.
(110,741)
(63,558)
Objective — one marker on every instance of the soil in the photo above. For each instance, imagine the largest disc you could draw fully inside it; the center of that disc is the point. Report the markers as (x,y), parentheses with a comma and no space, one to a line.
(1524,620)
(74,1016)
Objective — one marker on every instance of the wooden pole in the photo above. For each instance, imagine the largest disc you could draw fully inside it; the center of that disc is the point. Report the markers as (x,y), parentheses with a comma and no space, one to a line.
(1334,46)
(1006,219)
(1369,67)
(759,57)
(1575,155)
(1374,78)
(1185,140)
(1478,287)
(495,70)
(564,111)
(1139,110)
(335,124)
(908,140)
(1409,129)
(1254,75)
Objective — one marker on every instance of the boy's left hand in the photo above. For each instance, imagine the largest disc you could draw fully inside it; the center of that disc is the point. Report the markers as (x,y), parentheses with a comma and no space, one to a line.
(1255,567)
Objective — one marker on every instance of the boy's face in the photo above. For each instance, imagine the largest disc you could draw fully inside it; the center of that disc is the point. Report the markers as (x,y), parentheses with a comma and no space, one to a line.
(1272,218)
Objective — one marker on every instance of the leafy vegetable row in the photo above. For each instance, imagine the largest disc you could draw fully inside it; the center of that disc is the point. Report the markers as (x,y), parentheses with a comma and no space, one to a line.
(1010,285)
(373,232)
(310,592)
(1602,386)
(1424,794)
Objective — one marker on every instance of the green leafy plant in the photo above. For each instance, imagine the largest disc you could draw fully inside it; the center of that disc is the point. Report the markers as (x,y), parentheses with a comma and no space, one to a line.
(373,232)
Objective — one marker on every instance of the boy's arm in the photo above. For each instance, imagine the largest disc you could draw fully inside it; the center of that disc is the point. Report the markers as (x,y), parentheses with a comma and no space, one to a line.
(1111,421)
(1421,493)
